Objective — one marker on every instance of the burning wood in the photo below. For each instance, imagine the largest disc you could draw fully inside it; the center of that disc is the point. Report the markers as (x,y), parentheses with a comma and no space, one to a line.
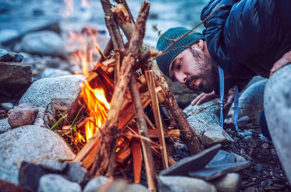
(117,125)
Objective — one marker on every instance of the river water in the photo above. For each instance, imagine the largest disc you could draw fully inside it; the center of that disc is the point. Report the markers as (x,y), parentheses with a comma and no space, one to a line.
(18,16)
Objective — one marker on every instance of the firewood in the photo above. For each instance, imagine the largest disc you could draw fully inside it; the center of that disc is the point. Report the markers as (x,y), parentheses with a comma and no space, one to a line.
(155,151)
(157,115)
(137,159)
(153,133)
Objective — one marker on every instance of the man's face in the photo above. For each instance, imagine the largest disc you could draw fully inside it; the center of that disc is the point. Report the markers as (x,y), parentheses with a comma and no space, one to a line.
(194,68)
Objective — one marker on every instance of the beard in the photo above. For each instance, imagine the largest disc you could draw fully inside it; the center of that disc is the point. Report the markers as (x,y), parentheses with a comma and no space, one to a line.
(209,76)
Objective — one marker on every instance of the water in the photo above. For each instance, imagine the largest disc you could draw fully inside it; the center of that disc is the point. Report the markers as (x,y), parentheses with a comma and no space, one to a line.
(18,16)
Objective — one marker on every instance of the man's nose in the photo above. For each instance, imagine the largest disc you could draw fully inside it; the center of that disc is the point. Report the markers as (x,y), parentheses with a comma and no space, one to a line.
(181,77)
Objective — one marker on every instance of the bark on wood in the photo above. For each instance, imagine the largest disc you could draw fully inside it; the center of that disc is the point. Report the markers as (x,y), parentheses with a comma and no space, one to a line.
(143,131)
(109,128)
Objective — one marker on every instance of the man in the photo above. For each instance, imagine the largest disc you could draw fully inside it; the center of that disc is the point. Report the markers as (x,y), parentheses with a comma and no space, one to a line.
(242,39)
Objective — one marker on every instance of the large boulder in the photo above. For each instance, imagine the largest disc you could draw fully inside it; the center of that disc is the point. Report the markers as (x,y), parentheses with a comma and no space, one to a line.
(32,144)
(43,43)
(277,103)
(204,119)
(251,103)
(57,183)
(42,92)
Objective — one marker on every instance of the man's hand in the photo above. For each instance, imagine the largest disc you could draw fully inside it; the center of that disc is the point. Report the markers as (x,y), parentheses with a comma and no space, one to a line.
(284,60)
(204,97)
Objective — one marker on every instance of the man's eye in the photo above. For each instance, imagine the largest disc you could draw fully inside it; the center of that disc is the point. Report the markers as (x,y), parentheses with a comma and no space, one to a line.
(178,66)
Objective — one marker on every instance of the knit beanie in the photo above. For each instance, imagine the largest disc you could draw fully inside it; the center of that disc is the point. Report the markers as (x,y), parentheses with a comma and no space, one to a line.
(168,38)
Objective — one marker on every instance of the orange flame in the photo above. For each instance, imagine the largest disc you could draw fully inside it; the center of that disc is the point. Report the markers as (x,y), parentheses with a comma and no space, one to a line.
(97,104)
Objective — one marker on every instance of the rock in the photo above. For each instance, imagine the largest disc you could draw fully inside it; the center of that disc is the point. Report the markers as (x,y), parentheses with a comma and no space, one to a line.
(204,119)
(222,163)
(6,56)
(188,164)
(229,183)
(42,92)
(52,72)
(56,183)
(76,173)
(29,175)
(14,80)
(250,103)
(183,184)
(53,165)
(43,43)
(135,188)
(95,183)
(32,144)
(23,114)
(4,125)
(7,106)
(277,106)
(250,189)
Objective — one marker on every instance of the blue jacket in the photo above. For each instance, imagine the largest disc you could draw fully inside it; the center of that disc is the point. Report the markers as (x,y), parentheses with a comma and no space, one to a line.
(246,37)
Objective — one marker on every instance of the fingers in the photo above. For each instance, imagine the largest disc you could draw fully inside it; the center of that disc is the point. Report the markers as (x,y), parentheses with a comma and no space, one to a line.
(203,97)
(286,59)
(194,102)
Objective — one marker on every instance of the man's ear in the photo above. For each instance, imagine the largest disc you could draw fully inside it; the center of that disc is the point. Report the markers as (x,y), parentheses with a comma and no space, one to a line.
(199,45)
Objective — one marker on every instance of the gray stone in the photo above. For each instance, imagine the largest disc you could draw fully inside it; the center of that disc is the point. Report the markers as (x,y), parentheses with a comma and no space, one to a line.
(23,114)
(222,163)
(52,72)
(250,103)
(43,43)
(95,183)
(76,173)
(228,183)
(204,119)
(42,92)
(183,184)
(136,188)
(56,183)
(14,80)
(32,144)
(277,105)
(53,165)
(4,125)
(188,164)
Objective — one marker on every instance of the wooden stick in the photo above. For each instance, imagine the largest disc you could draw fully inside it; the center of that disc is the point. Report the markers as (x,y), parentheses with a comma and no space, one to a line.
(109,128)
(137,159)
(157,115)
(143,130)
(188,134)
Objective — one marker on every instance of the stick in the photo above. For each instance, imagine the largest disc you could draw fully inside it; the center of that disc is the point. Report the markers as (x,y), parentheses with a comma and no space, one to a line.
(157,115)
(143,130)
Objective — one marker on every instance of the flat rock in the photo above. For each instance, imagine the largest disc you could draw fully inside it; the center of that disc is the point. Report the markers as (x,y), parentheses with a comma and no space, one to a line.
(188,164)
(57,183)
(14,80)
(277,106)
(44,43)
(76,173)
(32,144)
(204,119)
(95,183)
(4,125)
(183,184)
(43,91)
(222,163)
(23,114)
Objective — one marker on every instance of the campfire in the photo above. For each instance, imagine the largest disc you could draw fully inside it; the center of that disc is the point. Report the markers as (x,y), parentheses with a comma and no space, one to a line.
(120,102)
